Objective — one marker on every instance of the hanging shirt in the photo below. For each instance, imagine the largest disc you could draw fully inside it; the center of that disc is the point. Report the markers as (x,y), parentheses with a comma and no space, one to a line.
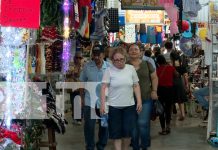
(142,28)
(159,38)
(191,7)
(151,35)
(177,2)
(143,37)
(100,30)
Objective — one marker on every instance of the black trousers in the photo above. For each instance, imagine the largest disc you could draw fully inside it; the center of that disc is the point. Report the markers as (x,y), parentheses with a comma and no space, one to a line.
(166,98)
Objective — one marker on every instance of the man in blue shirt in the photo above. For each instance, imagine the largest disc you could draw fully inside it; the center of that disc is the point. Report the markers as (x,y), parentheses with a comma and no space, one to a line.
(147,57)
(93,72)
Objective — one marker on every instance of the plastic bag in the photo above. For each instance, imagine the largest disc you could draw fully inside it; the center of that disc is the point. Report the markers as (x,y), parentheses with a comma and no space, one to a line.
(157,109)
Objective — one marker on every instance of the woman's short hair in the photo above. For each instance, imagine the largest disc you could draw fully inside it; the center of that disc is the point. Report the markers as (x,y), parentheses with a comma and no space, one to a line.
(119,50)
(161,60)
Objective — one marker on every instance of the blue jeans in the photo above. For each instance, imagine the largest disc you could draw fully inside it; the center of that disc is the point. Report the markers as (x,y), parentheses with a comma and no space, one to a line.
(200,96)
(142,127)
(89,131)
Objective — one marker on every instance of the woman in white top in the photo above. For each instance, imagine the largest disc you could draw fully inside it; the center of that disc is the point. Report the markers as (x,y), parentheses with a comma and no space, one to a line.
(122,81)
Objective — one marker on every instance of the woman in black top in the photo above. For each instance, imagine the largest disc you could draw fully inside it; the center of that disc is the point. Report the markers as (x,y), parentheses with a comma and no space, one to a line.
(181,86)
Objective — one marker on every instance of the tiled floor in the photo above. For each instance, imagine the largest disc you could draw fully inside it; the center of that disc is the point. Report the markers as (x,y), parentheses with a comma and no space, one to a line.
(186,135)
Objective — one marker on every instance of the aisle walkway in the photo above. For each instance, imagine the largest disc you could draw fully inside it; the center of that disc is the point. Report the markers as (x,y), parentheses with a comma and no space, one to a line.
(186,135)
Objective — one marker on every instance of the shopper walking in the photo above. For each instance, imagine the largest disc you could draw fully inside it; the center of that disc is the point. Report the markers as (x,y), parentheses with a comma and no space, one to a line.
(121,80)
(169,48)
(181,85)
(147,57)
(165,73)
(72,75)
(148,82)
(93,72)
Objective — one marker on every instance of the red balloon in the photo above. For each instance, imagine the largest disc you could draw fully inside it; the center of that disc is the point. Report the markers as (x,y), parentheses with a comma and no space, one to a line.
(185,25)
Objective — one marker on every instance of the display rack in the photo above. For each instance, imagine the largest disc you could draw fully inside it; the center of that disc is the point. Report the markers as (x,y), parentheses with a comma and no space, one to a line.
(51,143)
(212,129)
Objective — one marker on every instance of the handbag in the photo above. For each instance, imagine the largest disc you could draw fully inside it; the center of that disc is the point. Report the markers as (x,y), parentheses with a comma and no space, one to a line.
(158,108)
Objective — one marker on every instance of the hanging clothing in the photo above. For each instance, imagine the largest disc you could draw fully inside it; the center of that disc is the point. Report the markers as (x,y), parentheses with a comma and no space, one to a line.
(100,31)
(30,64)
(143,37)
(172,12)
(158,28)
(83,21)
(177,2)
(137,37)
(87,4)
(142,29)
(42,48)
(159,38)
(203,33)
(74,15)
(38,59)
(151,35)
(166,2)
(208,50)
(191,7)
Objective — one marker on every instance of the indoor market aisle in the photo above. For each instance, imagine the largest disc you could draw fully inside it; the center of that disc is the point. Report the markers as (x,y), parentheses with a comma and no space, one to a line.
(186,135)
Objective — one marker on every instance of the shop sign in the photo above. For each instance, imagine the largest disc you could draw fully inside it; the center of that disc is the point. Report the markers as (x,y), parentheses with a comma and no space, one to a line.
(20,13)
(145,16)
(140,5)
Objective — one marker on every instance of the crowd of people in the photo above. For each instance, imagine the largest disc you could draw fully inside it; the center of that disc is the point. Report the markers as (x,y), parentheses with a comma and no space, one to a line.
(132,78)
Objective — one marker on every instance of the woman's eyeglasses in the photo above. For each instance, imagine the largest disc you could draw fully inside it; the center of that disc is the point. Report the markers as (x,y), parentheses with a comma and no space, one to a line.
(122,60)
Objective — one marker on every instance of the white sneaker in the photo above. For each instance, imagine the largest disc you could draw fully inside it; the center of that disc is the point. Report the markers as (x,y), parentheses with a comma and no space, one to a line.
(77,122)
